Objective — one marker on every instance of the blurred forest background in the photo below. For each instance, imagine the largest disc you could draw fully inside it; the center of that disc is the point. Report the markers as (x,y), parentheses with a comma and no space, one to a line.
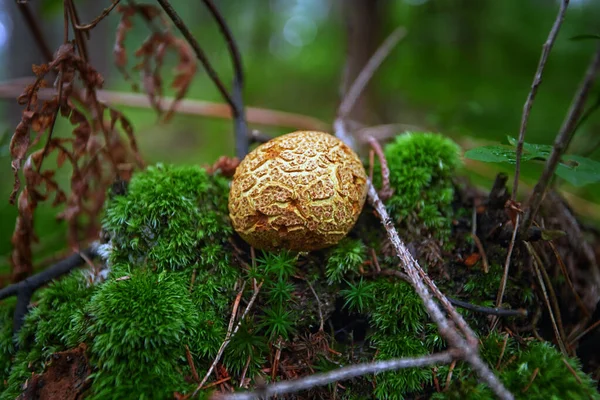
(464,69)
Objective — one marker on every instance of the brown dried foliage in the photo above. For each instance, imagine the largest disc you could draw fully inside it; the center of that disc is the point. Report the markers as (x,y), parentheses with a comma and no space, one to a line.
(96,153)
(151,55)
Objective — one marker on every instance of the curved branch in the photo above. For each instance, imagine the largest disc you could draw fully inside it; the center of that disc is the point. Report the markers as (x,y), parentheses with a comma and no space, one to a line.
(25,288)
(240,126)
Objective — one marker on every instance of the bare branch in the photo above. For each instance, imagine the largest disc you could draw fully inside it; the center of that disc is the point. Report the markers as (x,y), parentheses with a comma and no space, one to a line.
(367,72)
(466,346)
(511,247)
(99,18)
(352,371)
(501,312)
(562,140)
(34,27)
(25,288)
(447,329)
(537,80)
(170,11)
(255,115)
(360,83)
(228,338)
(537,265)
(241,129)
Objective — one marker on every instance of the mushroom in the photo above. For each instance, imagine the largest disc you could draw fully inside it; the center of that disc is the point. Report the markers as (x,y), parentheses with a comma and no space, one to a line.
(301,191)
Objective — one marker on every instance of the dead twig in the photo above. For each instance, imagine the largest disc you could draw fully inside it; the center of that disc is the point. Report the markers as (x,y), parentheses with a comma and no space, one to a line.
(511,246)
(322,321)
(25,288)
(360,83)
(418,278)
(245,371)
(585,332)
(235,101)
(367,72)
(466,346)
(535,373)
(190,360)
(99,18)
(296,385)
(537,80)
(228,337)
(501,312)
(561,143)
(241,129)
(504,343)
(255,115)
(484,259)
(449,377)
(36,31)
(565,272)
(537,265)
(386,190)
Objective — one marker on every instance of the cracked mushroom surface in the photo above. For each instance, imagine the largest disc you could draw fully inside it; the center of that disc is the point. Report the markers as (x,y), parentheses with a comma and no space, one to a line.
(301,191)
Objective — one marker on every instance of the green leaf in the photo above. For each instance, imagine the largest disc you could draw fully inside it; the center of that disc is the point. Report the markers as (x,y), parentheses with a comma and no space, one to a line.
(548,234)
(585,37)
(497,153)
(533,151)
(578,170)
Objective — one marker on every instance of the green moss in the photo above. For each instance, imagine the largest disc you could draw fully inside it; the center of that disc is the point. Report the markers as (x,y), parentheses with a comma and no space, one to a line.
(422,166)
(7,346)
(56,324)
(344,259)
(140,323)
(175,276)
(360,296)
(516,369)
(167,216)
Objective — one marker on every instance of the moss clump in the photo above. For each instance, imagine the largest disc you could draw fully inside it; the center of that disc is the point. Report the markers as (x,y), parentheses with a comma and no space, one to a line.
(170,289)
(517,370)
(7,346)
(141,324)
(56,323)
(167,217)
(345,259)
(422,166)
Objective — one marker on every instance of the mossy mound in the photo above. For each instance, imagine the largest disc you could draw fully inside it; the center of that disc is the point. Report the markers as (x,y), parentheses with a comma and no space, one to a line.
(422,166)
(153,327)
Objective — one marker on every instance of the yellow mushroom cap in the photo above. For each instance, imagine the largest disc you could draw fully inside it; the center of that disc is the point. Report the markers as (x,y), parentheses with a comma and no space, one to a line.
(302,191)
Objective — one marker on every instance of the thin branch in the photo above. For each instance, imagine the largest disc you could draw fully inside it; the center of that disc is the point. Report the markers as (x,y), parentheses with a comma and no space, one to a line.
(255,115)
(99,18)
(235,101)
(386,190)
(417,276)
(240,126)
(353,371)
(228,339)
(501,312)
(562,140)
(537,266)
(511,247)
(367,72)
(537,80)
(447,329)
(585,332)
(25,288)
(37,33)
(565,272)
(360,83)
(484,260)
(322,323)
